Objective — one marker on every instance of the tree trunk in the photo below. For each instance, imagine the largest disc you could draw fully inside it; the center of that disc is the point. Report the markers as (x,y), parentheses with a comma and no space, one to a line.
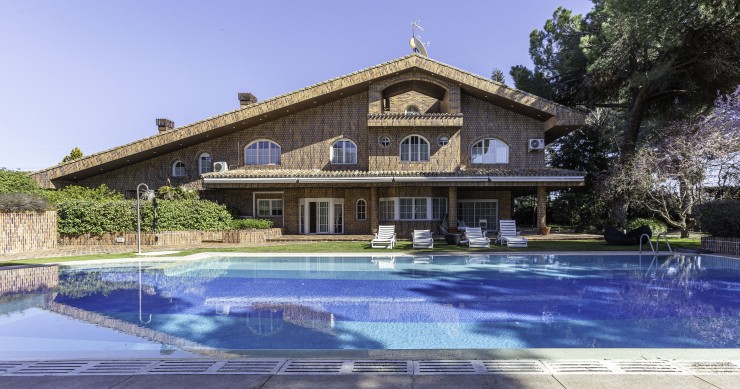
(618,212)
(685,232)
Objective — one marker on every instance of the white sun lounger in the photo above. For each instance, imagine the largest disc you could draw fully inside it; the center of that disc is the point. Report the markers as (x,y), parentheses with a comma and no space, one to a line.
(476,238)
(385,238)
(508,235)
(423,239)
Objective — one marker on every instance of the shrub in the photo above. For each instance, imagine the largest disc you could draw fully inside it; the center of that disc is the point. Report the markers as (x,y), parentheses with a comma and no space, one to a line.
(22,202)
(656,226)
(76,217)
(182,215)
(17,182)
(101,193)
(720,218)
(244,224)
(178,193)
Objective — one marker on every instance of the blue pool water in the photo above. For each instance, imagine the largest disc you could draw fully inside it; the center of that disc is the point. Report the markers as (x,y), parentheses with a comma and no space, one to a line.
(402,302)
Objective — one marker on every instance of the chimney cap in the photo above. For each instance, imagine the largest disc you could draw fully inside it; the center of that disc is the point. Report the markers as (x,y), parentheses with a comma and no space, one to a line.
(165,124)
(247,98)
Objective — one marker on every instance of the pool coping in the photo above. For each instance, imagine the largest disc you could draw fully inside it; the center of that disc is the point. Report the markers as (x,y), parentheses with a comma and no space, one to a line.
(212,254)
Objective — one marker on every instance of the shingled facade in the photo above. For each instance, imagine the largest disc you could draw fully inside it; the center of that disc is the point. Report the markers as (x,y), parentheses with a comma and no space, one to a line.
(408,142)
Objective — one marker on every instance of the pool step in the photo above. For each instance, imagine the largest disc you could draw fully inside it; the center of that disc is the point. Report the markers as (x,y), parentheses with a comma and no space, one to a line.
(384,367)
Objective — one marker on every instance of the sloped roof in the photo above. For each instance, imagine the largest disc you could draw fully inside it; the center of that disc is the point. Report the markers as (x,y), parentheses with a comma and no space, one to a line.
(316,173)
(556,118)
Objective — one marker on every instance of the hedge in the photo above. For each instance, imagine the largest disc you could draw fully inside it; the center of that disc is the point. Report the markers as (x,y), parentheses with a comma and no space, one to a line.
(245,224)
(720,218)
(77,217)
(656,226)
(17,182)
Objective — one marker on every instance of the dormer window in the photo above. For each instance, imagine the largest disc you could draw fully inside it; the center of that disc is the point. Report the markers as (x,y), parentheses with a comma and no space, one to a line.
(178,169)
(262,152)
(490,150)
(344,152)
(412,110)
(205,163)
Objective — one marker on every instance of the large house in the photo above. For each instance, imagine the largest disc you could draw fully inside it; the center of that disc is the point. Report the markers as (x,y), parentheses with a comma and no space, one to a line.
(408,142)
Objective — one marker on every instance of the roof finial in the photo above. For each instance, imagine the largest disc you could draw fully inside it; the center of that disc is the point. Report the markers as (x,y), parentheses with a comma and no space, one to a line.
(416,44)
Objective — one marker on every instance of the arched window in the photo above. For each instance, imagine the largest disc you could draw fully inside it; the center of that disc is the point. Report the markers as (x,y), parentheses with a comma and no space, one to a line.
(262,152)
(343,152)
(490,150)
(414,148)
(412,110)
(361,209)
(178,169)
(205,163)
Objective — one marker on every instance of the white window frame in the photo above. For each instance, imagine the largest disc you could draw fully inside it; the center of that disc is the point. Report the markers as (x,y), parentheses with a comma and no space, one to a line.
(364,209)
(497,152)
(176,169)
(209,166)
(428,214)
(270,153)
(272,206)
(343,152)
(414,149)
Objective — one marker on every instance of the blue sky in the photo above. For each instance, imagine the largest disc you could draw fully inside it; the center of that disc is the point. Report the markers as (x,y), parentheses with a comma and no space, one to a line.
(96,74)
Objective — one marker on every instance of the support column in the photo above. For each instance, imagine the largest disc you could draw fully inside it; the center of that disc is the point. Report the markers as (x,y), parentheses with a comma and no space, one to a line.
(373,210)
(542,210)
(452,208)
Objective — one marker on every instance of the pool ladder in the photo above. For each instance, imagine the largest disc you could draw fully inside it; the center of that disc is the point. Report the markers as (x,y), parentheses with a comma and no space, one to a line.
(656,249)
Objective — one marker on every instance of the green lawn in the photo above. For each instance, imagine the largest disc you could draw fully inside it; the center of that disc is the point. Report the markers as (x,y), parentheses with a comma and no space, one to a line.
(402,247)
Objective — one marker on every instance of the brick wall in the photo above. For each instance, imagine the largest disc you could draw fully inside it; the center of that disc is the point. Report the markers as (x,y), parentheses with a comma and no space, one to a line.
(27,231)
(170,238)
(28,279)
(729,246)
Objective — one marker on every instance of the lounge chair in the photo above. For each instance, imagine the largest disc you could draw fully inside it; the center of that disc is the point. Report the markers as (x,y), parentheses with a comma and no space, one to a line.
(476,238)
(385,238)
(423,239)
(508,235)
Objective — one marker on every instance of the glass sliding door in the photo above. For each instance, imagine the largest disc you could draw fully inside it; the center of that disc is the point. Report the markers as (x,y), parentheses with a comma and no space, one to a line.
(321,216)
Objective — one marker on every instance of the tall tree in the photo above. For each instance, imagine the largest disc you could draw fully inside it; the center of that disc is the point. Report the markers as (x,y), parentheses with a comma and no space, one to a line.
(654,61)
(76,153)
(498,76)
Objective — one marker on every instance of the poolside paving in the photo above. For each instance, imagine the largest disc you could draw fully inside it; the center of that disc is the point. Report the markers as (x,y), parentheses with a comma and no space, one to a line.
(559,381)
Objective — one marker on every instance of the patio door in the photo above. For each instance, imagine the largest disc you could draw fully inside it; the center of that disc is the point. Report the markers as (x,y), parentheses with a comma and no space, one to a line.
(321,216)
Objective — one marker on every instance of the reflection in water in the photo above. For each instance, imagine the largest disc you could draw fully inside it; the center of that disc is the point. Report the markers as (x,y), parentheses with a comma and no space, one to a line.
(399,302)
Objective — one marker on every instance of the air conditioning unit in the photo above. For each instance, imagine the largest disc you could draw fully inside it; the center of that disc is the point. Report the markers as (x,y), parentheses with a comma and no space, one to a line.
(536,144)
(220,167)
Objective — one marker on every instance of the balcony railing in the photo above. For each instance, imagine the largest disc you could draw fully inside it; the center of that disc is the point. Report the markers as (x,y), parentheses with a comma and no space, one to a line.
(415,120)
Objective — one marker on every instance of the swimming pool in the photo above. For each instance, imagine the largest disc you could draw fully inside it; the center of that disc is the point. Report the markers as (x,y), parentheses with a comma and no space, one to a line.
(233,304)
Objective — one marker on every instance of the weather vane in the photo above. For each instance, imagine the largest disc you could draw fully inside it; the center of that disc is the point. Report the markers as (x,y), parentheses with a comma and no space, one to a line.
(416,44)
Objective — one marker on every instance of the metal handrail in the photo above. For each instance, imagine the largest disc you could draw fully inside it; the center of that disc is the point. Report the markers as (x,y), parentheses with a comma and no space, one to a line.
(657,242)
(656,249)
(651,243)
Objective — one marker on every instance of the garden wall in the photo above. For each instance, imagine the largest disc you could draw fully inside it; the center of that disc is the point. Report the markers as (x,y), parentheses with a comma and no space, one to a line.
(171,238)
(27,231)
(729,246)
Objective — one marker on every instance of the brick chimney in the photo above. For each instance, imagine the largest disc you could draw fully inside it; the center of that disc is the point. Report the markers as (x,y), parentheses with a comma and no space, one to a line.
(246,99)
(165,125)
